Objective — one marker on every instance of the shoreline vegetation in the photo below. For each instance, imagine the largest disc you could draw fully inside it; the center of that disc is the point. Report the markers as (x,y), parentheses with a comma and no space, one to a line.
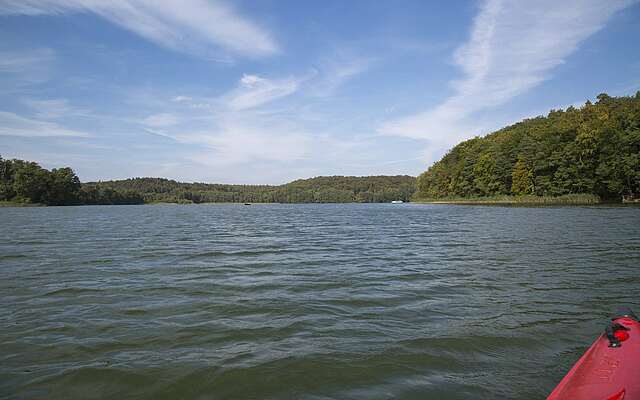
(570,199)
(504,200)
(577,156)
(8,203)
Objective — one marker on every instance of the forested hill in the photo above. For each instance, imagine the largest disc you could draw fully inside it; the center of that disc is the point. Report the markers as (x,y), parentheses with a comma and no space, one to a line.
(326,189)
(27,182)
(594,149)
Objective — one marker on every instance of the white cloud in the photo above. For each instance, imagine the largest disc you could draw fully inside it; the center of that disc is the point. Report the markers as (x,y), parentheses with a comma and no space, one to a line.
(182,99)
(250,80)
(161,120)
(185,25)
(254,91)
(513,47)
(15,125)
(337,71)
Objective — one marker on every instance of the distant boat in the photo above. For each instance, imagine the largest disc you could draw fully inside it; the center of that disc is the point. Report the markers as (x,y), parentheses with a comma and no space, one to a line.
(397,202)
(247,204)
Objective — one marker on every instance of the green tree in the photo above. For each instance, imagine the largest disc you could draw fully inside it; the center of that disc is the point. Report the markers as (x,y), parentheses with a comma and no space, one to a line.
(522,178)
(31,182)
(6,180)
(64,187)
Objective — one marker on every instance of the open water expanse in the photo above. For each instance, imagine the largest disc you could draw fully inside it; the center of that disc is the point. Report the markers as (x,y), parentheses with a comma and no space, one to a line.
(354,301)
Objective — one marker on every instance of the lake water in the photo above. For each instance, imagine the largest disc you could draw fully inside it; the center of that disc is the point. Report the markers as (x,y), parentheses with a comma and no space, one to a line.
(353,301)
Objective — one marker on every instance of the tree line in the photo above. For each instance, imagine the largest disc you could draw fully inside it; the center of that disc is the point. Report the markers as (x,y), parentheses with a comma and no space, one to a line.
(329,189)
(594,149)
(27,182)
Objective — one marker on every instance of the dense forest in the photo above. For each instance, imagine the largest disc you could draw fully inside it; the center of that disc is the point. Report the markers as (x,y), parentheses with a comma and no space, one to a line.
(594,149)
(27,182)
(329,189)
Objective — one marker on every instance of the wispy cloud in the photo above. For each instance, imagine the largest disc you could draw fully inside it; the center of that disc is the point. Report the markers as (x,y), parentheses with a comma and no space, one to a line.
(238,144)
(254,91)
(161,120)
(186,25)
(54,108)
(17,61)
(182,99)
(242,138)
(336,71)
(513,47)
(14,125)
(25,67)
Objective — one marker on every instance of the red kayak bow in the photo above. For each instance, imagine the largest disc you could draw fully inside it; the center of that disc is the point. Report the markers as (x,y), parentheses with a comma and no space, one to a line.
(610,369)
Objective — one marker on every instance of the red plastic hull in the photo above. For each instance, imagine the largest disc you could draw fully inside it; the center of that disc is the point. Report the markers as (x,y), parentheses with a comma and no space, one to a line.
(603,372)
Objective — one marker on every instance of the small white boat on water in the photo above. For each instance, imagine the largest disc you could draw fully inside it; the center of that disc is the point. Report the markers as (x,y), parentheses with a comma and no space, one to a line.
(397,202)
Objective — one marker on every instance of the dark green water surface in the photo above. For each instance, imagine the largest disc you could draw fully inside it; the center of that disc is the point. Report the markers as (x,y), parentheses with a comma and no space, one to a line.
(306,301)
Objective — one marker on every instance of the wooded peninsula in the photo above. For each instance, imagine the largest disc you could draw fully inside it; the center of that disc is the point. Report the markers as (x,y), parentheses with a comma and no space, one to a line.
(578,155)
(586,153)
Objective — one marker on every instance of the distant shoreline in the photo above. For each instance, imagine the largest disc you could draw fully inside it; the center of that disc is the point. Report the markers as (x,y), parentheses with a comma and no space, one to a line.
(570,199)
(20,204)
(27,182)
(469,202)
(162,203)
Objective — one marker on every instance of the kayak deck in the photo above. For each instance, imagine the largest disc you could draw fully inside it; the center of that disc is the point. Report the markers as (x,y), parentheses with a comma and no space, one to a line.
(610,369)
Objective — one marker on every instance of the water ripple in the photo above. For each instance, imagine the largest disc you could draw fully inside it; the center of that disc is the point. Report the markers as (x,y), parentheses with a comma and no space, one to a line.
(306,301)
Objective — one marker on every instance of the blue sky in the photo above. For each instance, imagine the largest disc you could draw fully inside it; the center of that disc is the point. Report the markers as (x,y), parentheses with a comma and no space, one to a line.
(270,91)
